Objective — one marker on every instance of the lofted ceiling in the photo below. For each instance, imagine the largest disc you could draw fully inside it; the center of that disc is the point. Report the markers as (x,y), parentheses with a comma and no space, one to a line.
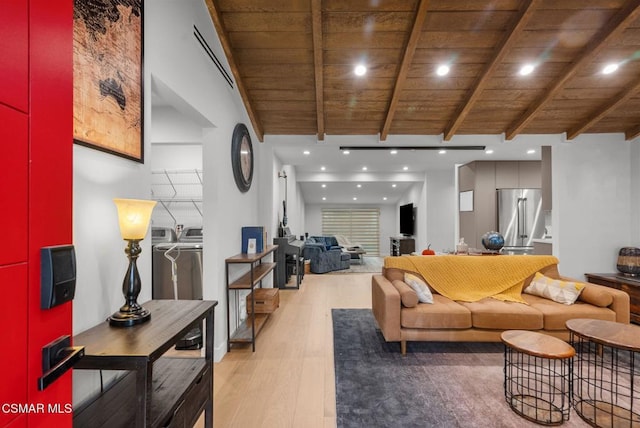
(293,63)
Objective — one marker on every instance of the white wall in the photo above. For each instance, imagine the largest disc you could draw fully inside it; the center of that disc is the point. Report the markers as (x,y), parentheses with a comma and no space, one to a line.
(634,229)
(275,200)
(295,200)
(389,226)
(592,203)
(175,156)
(441,210)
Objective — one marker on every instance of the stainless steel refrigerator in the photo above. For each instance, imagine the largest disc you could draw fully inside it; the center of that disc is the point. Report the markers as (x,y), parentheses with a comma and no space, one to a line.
(520,218)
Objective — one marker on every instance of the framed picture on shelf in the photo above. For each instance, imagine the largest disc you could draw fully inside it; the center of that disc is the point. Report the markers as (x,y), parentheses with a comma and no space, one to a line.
(251,246)
(107,76)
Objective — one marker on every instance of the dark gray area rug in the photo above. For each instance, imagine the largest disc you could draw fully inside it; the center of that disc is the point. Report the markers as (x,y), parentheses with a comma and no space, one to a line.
(436,384)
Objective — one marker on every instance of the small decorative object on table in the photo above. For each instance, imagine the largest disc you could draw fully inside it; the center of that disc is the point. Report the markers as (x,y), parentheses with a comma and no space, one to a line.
(492,241)
(462,247)
(428,251)
(251,246)
(629,261)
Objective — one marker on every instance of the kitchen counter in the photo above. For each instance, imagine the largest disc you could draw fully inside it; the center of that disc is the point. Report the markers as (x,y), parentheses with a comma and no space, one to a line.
(543,240)
(543,246)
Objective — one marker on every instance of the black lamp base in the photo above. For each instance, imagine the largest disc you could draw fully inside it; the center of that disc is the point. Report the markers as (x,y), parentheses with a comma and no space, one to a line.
(128,319)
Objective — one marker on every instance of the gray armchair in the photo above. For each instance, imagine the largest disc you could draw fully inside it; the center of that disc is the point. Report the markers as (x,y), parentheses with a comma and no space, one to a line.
(325,260)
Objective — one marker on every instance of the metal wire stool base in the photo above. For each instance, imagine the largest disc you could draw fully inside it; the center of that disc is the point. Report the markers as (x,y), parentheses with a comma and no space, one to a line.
(537,410)
(602,414)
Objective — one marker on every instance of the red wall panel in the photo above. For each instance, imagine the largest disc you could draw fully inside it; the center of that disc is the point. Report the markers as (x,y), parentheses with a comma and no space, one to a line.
(14,176)
(50,187)
(14,53)
(13,358)
(36,113)
(19,422)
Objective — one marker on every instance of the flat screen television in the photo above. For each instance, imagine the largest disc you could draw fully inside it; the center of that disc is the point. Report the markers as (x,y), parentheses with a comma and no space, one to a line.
(407,219)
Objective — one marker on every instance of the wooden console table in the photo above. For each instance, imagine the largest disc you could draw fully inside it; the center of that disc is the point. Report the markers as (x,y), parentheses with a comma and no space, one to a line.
(629,285)
(157,391)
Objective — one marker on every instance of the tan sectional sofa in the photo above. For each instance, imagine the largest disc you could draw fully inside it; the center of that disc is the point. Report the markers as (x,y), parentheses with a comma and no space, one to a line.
(484,320)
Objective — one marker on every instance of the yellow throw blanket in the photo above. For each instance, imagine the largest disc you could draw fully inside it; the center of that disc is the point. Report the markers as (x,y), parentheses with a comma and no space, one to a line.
(471,278)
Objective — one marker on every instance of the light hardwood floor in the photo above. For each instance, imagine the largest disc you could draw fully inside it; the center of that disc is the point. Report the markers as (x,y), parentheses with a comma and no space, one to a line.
(289,381)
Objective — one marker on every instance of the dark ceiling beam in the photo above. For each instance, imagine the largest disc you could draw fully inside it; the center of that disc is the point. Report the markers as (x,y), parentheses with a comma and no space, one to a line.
(316,22)
(618,23)
(628,92)
(226,45)
(407,58)
(511,35)
(632,133)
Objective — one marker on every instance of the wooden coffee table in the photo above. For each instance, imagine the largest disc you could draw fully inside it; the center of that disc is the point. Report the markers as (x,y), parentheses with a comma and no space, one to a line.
(606,389)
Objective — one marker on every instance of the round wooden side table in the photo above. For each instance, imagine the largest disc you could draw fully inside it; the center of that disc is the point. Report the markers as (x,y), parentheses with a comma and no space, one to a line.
(606,372)
(537,372)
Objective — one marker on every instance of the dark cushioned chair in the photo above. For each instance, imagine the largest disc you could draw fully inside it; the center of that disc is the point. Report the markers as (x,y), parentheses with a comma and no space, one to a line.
(325,254)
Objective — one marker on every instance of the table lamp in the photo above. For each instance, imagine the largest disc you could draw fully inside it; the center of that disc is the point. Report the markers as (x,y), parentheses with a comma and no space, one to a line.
(134,216)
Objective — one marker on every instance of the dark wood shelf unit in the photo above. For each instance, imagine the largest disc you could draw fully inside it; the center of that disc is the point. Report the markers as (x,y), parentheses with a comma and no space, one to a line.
(157,390)
(243,332)
(247,330)
(630,285)
(246,281)
(400,245)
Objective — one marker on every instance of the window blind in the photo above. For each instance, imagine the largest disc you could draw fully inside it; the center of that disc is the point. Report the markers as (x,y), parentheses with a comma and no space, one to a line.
(360,226)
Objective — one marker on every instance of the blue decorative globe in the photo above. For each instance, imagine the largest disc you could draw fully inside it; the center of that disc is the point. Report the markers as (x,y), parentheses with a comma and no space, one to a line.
(493,241)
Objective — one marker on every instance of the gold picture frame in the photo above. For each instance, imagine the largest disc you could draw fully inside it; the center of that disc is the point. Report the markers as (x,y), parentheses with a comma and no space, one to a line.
(108,76)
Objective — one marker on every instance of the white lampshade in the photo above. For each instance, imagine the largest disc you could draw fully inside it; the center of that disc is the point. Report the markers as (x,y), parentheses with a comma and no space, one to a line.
(134,216)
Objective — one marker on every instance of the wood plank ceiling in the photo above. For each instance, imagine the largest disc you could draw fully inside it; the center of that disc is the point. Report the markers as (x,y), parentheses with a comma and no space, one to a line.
(293,62)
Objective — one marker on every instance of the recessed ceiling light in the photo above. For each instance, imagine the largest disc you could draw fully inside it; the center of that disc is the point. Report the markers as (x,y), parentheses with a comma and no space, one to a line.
(394,152)
(384,199)
(306,152)
(488,151)
(527,69)
(322,168)
(345,152)
(442,152)
(360,70)
(443,70)
(355,199)
(359,186)
(393,185)
(324,185)
(530,151)
(324,198)
(405,168)
(364,168)
(610,68)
